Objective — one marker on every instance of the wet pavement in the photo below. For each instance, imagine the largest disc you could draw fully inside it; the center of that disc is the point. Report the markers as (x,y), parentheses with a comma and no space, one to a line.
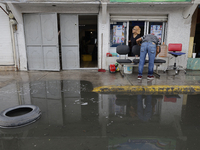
(74,117)
(102,78)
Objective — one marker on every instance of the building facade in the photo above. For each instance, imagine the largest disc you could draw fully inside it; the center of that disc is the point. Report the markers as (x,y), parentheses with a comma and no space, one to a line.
(62,35)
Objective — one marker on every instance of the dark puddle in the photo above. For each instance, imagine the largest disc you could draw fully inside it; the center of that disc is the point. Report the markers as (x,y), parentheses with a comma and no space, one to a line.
(74,118)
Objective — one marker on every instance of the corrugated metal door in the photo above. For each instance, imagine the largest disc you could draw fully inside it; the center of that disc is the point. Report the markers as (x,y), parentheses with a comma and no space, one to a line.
(41,34)
(69,41)
(6,52)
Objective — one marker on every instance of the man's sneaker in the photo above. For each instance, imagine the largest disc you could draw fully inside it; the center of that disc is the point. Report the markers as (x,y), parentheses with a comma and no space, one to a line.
(150,77)
(139,77)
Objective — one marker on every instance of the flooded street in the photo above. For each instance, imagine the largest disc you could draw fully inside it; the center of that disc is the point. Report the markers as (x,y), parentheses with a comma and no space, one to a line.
(75,118)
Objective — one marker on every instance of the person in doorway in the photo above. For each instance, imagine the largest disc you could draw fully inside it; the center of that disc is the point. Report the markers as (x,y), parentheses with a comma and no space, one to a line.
(135,35)
(149,45)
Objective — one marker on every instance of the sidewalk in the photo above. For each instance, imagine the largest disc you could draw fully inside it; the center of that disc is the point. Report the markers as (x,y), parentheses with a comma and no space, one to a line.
(105,81)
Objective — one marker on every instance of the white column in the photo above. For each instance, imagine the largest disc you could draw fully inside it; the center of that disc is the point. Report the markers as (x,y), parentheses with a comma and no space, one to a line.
(20,45)
(103,28)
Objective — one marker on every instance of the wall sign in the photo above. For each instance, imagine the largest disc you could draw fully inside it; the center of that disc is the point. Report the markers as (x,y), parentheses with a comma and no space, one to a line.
(118,34)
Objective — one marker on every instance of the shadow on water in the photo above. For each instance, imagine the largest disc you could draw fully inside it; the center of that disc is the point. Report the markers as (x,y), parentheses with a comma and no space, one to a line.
(73,117)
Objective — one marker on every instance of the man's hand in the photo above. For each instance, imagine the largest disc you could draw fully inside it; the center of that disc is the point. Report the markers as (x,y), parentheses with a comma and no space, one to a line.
(138,41)
(158,49)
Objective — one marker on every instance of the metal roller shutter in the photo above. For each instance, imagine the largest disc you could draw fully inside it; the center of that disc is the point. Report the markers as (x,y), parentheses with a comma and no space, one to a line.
(6,53)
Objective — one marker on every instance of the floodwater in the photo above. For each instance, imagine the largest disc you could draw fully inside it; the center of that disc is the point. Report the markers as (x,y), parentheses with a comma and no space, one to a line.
(74,118)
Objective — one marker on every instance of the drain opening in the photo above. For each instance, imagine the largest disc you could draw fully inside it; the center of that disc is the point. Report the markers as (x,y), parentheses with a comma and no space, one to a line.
(18,112)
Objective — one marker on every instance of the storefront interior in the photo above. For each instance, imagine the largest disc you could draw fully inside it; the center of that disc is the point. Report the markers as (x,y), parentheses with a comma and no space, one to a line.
(157,27)
(88,48)
(132,24)
(196,48)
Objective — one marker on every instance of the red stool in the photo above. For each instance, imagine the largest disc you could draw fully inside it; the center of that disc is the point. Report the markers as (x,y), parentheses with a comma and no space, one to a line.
(175,50)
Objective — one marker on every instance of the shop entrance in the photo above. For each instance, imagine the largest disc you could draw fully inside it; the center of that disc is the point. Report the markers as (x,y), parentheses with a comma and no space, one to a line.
(122,31)
(197,35)
(132,24)
(148,27)
(88,48)
(57,42)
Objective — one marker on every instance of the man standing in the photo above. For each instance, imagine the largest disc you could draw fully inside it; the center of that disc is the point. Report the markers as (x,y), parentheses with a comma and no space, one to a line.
(149,44)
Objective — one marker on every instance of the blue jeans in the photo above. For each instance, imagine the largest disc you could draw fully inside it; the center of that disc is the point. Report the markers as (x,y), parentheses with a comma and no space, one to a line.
(150,48)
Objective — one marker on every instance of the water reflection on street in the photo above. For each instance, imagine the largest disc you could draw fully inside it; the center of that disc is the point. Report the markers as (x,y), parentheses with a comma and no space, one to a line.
(74,118)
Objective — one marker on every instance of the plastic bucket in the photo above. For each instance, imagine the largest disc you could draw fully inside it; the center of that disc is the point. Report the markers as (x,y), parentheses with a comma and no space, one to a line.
(128,69)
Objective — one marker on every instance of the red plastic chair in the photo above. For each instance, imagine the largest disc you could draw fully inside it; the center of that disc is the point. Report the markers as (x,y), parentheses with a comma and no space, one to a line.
(175,50)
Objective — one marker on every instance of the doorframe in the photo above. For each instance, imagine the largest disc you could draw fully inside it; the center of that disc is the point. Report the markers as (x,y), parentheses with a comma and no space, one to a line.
(93,14)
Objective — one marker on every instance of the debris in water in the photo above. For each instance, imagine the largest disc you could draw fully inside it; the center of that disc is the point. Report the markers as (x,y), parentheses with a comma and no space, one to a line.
(84,104)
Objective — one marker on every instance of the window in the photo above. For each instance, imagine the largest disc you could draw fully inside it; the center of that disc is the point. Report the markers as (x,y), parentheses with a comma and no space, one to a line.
(157,28)
(118,33)
(121,31)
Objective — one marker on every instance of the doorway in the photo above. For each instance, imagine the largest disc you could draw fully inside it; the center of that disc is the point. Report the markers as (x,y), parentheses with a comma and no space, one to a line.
(57,42)
(196,48)
(158,28)
(132,24)
(88,48)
